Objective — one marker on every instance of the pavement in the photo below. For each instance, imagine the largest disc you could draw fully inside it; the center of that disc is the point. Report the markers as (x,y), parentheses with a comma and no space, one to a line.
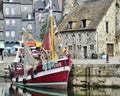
(111,60)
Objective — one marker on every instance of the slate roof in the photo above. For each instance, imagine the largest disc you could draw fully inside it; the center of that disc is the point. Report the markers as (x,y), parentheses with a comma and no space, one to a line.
(93,11)
(12,1)
(29,2)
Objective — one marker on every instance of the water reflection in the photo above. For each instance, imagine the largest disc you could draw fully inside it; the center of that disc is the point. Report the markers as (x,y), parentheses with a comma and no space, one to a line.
(6,89)
(79,91)
(19,91)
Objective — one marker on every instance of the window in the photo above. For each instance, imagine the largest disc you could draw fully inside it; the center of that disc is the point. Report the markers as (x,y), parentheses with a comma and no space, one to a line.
(1,27)
(92,47)
(7,21)
(1,33)
(79,37)
(39,17)
(107,28)
(78,47)
(7,34)
(13,22)
(12,33)
(12,11)
(7,11)
(84,23)
(25,8)
(70,47)
(29,26)
(54,6)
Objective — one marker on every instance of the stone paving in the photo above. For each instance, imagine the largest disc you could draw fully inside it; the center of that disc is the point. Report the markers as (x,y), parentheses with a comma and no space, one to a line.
(112,60)
(4,65)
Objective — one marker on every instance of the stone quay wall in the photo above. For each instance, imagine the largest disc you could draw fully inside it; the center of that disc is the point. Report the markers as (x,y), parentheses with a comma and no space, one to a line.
(95,74)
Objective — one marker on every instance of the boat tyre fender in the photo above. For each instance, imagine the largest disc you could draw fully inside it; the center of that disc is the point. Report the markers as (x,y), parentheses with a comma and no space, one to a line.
(17,79)
(16,89)
(24,90)
(11,75)
(35,72)
(24,81)
(32,75)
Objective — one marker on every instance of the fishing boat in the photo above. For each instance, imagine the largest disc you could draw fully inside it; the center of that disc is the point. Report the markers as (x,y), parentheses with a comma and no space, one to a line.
(50,70)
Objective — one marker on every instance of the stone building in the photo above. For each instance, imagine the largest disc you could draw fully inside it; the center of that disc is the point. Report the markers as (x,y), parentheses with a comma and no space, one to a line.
(12,18)
(89,30)
(1,35)
(27,16)
(42,15)
(20,14)
(118,26)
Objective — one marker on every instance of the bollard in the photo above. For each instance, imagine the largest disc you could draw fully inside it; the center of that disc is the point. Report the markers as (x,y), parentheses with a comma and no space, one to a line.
(107,59)
(2,57)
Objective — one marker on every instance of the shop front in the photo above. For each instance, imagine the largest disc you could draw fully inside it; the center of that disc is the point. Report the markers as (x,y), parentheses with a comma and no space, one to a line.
(2,46)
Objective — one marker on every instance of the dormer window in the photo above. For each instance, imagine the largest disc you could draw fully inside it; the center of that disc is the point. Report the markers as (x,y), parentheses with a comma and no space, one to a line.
(54,6)
(70,25)
(29,16)
(84,23)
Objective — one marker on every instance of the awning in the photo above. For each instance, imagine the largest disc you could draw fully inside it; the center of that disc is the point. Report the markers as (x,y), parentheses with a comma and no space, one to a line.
(31,44)
(38,44)
(34,44)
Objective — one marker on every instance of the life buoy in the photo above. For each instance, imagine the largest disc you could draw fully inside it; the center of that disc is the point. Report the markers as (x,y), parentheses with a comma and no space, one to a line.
(24,81)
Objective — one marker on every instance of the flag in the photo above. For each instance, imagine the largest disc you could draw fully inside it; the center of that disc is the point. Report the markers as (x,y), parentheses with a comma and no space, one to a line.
(46,42)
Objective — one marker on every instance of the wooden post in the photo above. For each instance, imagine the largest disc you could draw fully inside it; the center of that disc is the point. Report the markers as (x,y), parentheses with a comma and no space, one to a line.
(88,77)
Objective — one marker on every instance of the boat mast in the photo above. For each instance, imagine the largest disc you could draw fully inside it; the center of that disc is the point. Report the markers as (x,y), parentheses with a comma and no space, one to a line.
(52,30)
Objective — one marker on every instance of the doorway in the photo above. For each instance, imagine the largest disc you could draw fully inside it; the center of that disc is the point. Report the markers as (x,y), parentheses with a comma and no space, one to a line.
(110,49)
(85,51)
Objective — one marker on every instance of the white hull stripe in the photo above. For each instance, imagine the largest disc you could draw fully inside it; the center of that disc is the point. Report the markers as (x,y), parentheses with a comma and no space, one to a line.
(47,72)
(41,84)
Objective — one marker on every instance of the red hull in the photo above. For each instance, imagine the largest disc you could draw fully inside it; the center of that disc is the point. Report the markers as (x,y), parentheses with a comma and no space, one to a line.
(55,77)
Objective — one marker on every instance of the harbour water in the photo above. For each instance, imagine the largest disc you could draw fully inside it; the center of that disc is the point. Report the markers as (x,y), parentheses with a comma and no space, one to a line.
(7,89)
